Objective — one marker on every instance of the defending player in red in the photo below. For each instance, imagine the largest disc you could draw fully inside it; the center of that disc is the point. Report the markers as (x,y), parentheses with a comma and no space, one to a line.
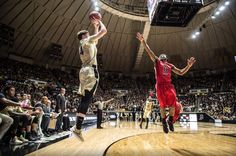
(165,90)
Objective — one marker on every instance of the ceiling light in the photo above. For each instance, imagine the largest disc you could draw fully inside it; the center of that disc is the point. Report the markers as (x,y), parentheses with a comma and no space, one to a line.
(217,13)
(97,9)
(227,3)
(222,8)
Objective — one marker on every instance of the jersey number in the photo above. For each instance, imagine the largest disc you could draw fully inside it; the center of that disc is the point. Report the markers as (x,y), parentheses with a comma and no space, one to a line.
(165,70)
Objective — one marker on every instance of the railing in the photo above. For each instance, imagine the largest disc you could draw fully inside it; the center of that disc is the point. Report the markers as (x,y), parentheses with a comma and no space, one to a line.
(142,10)
(130,9)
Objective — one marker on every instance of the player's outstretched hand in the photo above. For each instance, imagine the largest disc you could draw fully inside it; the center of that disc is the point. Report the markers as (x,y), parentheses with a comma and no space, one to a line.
(191,61)
(139,37)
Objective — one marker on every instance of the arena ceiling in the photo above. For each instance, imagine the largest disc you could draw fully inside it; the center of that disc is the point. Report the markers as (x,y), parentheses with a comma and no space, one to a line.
(38,23)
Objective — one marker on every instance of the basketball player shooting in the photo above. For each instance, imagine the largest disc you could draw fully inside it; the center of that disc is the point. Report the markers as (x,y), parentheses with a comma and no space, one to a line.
(88,76)
(166,93)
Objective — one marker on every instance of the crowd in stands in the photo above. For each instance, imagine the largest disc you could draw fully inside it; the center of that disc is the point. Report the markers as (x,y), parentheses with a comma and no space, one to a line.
(38,88)
(219,105)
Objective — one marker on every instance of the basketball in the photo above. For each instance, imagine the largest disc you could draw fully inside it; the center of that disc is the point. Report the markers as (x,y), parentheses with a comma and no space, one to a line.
(95,15)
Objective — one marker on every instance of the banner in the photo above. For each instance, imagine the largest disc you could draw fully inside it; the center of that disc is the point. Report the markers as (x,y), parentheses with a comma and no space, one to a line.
(195,117)
(88,119)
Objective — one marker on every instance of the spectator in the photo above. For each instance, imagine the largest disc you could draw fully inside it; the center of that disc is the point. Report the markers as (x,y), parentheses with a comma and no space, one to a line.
(17,117)
(45,105)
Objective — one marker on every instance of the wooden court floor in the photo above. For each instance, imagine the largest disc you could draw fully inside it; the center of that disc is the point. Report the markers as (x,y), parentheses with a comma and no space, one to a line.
(126,138)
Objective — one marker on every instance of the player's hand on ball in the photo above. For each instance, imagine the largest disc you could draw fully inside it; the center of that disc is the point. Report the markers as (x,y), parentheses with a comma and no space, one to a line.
(95,18)
(140,37)
(95,22)
(191,61)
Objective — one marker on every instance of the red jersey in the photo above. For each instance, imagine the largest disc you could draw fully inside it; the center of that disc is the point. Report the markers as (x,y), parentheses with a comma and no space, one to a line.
(163,72)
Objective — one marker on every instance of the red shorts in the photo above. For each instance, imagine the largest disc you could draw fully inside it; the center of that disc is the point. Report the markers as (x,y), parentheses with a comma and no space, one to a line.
(178,109)
(166,95)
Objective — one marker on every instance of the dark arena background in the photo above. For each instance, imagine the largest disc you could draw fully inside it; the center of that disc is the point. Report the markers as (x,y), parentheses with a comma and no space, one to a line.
(41,73)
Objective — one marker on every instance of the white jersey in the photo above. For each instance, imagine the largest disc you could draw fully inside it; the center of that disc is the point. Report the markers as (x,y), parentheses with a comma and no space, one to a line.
(148,109)
(148,106)
(88,52)
(88,56)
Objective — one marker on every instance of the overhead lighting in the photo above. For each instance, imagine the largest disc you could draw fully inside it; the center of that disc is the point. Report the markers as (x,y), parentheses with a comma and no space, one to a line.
(227,3)
(96,3)
(97,9)
(217,13)
(197,33)
(193,36)
(213,16)
(222,8)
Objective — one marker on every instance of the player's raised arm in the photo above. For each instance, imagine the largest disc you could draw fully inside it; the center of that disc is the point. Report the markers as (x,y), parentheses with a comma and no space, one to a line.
(100,33)
(96,28)
(150,53)
(183,71)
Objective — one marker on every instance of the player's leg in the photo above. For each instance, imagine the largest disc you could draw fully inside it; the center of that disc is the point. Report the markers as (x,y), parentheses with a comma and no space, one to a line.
(178,110)
(163,116)
(162,103)
(147,121)
(83,108)
(141,123)
(99,116)
(171,100)
(171,118)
